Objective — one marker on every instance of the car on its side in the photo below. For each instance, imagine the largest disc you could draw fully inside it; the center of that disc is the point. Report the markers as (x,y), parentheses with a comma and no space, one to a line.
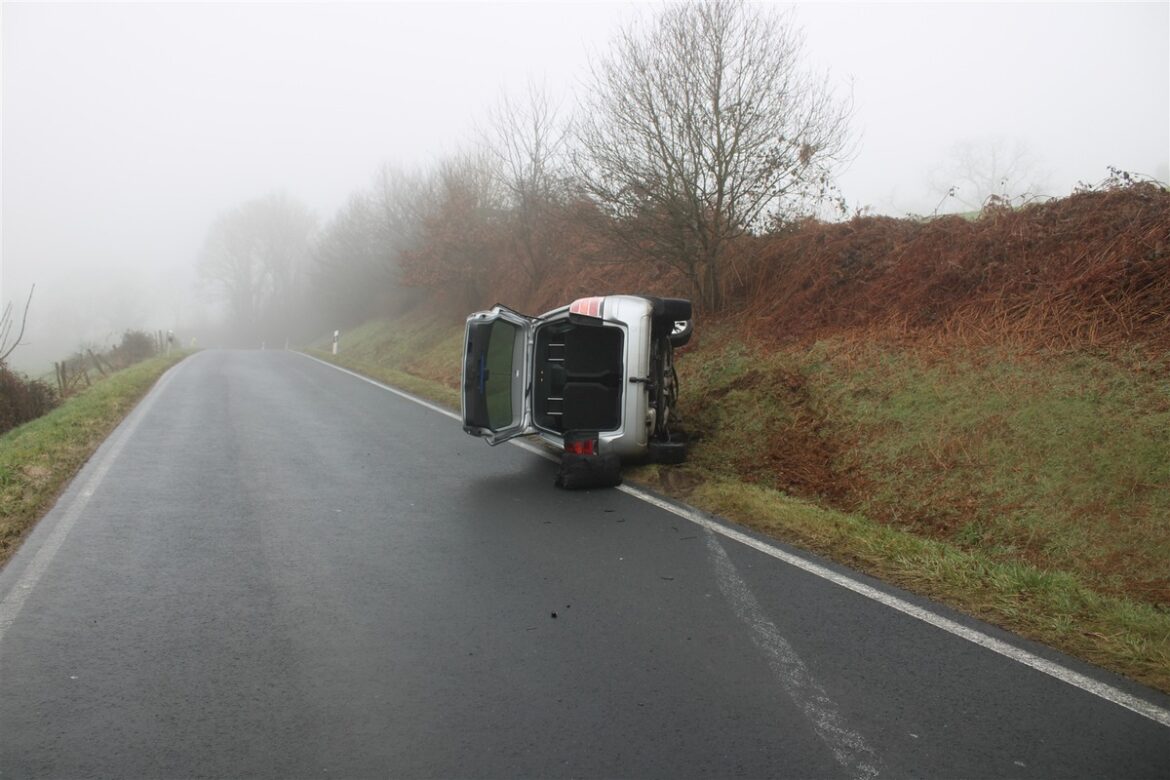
(595,378)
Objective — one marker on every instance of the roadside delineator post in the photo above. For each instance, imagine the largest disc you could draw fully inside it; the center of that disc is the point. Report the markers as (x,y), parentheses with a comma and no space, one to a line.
(336,336)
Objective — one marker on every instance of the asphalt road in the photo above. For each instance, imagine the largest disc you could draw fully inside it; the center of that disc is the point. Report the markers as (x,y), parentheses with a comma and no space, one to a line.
(276,569)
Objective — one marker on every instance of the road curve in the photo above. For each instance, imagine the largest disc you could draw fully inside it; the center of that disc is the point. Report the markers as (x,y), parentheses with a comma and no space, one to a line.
(275,569)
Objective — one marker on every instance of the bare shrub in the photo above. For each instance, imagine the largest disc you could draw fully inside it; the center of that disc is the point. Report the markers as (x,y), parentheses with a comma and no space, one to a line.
(22,399)
(135,347)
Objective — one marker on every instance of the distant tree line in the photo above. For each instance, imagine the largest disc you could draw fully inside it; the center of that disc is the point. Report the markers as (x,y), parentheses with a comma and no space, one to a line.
(699,126)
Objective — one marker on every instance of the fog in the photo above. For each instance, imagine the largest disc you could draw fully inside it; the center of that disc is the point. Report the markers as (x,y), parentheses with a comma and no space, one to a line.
(127,129)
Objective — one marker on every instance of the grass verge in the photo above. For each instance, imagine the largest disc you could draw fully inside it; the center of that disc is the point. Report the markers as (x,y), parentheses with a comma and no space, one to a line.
(415,354)
(39,458)
(1031,491)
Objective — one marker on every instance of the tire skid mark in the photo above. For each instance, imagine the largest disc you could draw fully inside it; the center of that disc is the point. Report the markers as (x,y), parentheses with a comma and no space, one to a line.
(848,747)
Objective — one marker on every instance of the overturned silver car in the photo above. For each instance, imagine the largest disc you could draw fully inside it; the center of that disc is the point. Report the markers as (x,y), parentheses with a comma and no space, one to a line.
(595,378)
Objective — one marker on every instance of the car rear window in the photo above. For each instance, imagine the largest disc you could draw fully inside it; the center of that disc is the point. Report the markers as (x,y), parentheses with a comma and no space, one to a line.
(492,361)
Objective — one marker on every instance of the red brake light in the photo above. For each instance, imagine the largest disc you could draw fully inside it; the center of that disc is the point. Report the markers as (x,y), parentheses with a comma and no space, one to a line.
(587,307)
(581,447)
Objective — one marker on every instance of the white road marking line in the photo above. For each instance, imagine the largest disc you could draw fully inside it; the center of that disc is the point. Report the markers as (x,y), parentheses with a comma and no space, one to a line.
(846,745)
(13,602)
(1087,684)
(1076,679)
(387,388)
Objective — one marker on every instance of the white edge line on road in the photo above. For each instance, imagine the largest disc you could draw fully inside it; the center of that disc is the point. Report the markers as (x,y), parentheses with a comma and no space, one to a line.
(13,602)
(1088,684)
(1102,690)
(385,387)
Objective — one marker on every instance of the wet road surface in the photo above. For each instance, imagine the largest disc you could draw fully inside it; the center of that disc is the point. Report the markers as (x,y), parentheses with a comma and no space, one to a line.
(275,569)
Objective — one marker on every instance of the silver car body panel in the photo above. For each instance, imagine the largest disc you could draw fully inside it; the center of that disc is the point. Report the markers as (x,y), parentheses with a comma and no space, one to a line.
(632,314)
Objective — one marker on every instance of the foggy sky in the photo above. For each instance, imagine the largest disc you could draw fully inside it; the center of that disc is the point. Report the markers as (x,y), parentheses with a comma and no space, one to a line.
(128,128)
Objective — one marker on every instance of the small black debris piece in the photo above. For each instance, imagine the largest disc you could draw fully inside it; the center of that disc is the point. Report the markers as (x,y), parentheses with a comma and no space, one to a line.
(554,616)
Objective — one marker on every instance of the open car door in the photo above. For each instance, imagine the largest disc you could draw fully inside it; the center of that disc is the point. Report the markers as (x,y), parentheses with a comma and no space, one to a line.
(497,380)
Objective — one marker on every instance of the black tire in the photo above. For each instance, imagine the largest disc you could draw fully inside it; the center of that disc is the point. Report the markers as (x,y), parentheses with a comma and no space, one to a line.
(681,333)
(667,311)
(581,472)
(667,452)
(676,309)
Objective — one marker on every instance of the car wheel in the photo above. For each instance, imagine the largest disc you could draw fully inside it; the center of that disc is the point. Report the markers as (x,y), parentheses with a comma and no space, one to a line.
(667,452)
(676,309)
(681,333)
(668,311)
(581,472)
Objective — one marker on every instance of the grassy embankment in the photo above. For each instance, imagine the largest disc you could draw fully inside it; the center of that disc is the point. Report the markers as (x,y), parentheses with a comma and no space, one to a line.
(417,354)
(38,458)
(1029,489)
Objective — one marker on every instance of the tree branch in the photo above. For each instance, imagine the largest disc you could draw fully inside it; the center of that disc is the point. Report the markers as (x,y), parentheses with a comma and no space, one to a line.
(23,322)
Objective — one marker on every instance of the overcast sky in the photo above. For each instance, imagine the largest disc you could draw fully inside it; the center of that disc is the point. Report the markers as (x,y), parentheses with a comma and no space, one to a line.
(128,128)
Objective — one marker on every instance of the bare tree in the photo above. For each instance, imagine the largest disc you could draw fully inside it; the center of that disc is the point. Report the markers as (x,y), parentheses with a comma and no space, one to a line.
(358,255)
(254,256)
(458,249)
(350,269)
(398,198)
(526,141)
(8,344)
(980,169)
(699,127)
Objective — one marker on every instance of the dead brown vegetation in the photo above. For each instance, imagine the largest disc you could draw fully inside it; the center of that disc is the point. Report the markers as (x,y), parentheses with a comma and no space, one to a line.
(1089,270)
(1092,269)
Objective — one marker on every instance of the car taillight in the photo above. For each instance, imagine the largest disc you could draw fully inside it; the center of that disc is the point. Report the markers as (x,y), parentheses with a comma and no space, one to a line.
(581,447)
